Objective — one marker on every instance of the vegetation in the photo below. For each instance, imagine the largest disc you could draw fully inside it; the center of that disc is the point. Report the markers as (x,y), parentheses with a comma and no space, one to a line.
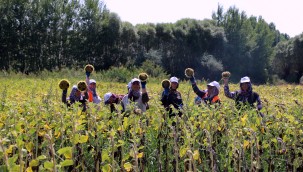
(52,40)
(53,35)
(39,133)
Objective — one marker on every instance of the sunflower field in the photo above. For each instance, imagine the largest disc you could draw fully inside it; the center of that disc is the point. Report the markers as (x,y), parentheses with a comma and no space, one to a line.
(39,133)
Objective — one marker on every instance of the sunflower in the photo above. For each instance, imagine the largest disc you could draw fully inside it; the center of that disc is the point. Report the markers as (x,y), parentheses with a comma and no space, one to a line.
(143,77)
(226,74)
(81,86)
(89,68)
(64,84)
(189,72)
(165,83)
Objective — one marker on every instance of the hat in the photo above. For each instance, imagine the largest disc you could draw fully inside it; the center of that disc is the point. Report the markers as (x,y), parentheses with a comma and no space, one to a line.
(214,84)
(107,96)
(92,81)
(134,80)
(174,79)
(245,79)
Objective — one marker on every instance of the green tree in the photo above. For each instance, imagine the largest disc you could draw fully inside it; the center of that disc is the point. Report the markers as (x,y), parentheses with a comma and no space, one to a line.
(288,59)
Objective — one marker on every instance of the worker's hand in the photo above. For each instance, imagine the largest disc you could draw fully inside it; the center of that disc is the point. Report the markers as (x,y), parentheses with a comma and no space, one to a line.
(192,80)
(225,77)
(143,84)
(64,92)
(225,81)
(166,91)
(87,74)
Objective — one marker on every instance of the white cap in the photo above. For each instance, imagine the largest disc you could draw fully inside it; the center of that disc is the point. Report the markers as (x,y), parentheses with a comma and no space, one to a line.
(92,81)
(245,79)
(134,80)
(107,96)
(214,84)
(174,79)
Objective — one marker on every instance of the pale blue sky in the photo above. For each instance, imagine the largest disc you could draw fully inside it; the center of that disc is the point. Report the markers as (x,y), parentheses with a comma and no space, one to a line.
(286,15)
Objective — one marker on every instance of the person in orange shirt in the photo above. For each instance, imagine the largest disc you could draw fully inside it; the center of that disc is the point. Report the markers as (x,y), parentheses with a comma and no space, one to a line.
(208,96)
(92,93)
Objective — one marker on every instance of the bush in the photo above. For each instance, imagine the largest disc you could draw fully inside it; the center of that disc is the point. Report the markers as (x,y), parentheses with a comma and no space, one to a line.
(211,66)
(153,70)
(277,81)
(119,74)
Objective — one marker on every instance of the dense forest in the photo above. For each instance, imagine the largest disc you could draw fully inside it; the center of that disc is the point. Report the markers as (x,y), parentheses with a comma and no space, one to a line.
(37,35)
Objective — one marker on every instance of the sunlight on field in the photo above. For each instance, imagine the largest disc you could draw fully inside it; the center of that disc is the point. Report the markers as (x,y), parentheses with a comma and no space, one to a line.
(38,132)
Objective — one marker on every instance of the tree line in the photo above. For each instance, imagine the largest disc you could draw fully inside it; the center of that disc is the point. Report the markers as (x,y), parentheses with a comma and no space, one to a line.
(37,35)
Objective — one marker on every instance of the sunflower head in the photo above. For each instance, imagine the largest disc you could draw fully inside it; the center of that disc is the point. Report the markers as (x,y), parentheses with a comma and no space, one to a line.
(64,84)
(81,86)
(165,83)
(226,74)
(89,68)
(143,77)
(189,72)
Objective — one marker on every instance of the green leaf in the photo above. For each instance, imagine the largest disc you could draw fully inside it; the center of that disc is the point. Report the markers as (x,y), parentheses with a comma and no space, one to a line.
(80,138)
(15,168)
(20,143)
(10,149)
(67,162)
(41,157)
(183,152)
(12,160)
(127,166)
(196,155)
(66,151)
(48,165)
(266,146)
(76,139)
(29,146)
(112,133)
(125,123)
(34,163)
(120,143)
(105,156)
(83,139)
(106,168)
(125,157)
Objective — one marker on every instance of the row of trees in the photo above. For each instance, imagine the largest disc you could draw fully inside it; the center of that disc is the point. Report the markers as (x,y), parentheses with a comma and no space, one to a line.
(288,60)
(45,34)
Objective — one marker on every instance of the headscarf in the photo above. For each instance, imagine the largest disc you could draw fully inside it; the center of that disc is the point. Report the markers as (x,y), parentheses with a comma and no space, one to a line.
(132,94)
(249,89)
(73,96)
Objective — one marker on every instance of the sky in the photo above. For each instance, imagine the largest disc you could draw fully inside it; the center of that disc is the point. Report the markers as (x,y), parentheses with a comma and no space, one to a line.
(286,15)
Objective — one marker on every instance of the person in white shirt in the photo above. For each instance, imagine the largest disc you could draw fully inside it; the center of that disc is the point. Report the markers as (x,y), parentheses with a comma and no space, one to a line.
(136,97)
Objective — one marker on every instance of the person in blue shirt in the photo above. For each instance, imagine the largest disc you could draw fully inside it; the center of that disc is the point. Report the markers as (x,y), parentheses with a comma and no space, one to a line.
(171,97)
(245,97)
